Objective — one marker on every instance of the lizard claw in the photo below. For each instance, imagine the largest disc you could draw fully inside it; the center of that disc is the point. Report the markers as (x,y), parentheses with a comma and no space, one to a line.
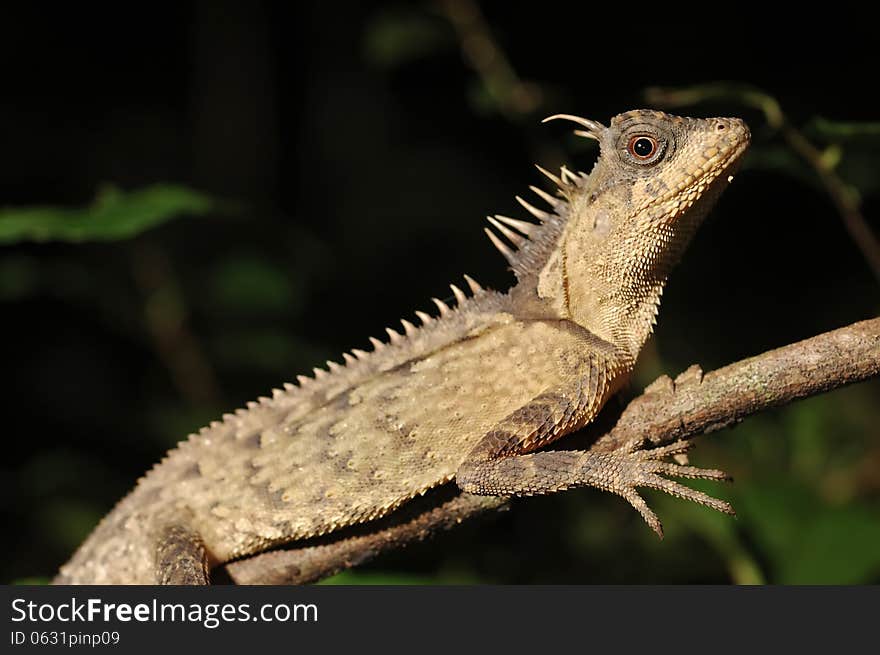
(637,467)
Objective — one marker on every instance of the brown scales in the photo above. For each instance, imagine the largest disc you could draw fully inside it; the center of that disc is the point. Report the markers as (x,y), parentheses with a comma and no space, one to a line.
(469,395)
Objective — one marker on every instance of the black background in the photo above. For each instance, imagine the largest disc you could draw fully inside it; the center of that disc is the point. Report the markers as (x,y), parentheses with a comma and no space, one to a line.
(362,184)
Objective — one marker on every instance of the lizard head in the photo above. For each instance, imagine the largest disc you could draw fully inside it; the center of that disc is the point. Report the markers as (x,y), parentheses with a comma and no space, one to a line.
(630,219)
(655,168)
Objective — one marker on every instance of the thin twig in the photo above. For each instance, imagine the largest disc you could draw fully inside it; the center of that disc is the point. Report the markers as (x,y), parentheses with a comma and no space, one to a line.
(514,97)
(167,320)
(844,197)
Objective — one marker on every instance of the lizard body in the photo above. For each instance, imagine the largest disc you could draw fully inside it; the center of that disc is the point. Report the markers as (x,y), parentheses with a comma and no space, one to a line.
(471,396)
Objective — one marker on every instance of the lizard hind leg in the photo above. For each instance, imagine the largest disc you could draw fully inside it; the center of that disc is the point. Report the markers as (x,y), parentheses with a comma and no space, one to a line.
(507,460)
(621,472)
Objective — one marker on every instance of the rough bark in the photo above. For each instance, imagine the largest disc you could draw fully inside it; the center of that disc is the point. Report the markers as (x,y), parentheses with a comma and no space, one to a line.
(695,403)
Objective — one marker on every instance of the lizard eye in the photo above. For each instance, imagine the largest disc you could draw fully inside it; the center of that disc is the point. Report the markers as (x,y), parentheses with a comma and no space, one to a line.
(642,147)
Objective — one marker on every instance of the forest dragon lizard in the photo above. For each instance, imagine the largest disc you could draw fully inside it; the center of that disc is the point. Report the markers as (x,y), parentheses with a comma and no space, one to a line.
(473,395)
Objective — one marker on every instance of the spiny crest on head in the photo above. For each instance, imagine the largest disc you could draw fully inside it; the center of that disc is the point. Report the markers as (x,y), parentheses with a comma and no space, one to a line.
(593,129)
(528,245)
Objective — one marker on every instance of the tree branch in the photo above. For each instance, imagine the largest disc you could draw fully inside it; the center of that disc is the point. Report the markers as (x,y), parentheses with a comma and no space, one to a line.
(696,404)
(669,410)
(514,97)
(440,509)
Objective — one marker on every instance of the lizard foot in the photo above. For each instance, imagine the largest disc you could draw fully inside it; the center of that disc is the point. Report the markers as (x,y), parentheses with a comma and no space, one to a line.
(633,466)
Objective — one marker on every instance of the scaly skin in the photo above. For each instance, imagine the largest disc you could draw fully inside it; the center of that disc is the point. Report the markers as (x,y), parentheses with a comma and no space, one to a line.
(469,396)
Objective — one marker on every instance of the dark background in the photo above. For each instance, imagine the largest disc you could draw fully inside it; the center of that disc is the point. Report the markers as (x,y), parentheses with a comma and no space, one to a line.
(353,151)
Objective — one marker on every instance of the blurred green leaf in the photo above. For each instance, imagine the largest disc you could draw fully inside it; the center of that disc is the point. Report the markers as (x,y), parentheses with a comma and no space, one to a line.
(775,514)
(867,134)
(19,277)
(395,37)
(831,156)
(859,168)
(264,348)
(251,283)
(481,99)
(809,542)
(353,577)
(837,546)
(719,530)
(779,158)
(808,425)
(113,215)
(69,520)
(36,580)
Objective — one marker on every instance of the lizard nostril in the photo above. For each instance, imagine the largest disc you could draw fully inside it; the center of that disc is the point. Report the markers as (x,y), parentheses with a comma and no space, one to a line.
(720,127)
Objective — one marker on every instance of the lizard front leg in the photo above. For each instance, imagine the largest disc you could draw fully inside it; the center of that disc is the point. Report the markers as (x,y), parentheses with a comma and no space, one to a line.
(503,462)
(181,558)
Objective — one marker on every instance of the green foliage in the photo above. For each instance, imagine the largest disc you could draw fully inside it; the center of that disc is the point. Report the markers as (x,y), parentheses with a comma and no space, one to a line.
(251,284)
(808,541)
(19,277)
(394,37)
(114,215)
(860,134)
(355,577)
(265,348)
(716,529)
(802,517)
(36,580)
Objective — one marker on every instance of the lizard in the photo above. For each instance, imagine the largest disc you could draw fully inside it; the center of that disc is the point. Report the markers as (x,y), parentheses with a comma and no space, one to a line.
(476,395)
